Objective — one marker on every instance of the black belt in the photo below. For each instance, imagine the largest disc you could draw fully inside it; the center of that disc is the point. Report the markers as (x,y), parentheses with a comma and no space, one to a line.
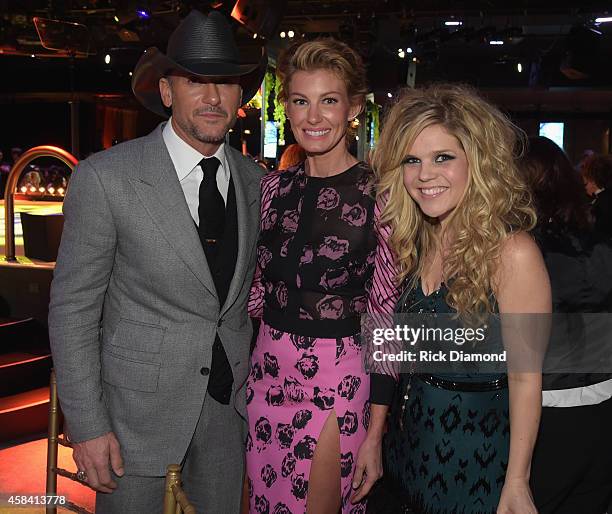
(452,385)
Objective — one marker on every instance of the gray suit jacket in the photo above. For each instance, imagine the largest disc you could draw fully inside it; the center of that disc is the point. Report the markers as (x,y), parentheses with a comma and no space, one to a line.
(134,311)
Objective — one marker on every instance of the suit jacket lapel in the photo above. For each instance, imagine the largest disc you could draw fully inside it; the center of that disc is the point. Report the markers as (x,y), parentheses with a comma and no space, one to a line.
(247,193)
(158,188)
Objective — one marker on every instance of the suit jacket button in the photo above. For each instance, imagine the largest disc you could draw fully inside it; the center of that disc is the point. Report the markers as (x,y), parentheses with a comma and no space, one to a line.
(204,371)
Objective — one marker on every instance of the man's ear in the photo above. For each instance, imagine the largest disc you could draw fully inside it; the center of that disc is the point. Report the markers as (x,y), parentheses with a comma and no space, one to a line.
(165,91)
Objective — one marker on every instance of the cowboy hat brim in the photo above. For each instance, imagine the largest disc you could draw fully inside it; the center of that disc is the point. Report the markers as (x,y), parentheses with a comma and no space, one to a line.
(154,65)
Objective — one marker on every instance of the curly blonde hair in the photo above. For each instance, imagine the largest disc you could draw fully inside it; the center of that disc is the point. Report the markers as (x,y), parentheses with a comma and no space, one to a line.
(324,54)
(496,201)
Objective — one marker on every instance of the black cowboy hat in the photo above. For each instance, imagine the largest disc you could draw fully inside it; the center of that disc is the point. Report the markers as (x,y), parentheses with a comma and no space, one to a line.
(201,45)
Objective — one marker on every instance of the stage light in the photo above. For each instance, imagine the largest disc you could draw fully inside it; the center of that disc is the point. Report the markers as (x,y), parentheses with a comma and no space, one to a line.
(32,189)
(255,35)
(401,54)
(130,73)
(357,138)
(231,130)
(389,95)
(24,189)
(61,190)
(291,33)
(607,19)
(414,59)
(282,34)
(453,23)
(496,42)
(107,58)
(143,14)
(247,132)
(408,50)
(51,190)
(116,18)
(519,67)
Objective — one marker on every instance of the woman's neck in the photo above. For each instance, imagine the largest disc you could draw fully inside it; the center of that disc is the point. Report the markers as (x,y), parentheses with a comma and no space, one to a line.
(330,163)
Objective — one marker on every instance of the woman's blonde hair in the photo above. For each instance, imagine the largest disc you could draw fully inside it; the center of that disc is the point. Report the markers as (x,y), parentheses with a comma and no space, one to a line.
(324,54)
(496,201)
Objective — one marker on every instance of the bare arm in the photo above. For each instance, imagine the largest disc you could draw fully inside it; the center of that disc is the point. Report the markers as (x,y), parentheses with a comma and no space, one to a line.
(522,287)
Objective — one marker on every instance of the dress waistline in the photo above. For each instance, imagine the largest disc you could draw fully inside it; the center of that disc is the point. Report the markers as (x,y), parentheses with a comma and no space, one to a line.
(453,385)
(323,328)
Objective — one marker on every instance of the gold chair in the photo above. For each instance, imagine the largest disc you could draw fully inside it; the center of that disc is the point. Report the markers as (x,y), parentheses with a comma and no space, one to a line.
(53,440)
(175,499)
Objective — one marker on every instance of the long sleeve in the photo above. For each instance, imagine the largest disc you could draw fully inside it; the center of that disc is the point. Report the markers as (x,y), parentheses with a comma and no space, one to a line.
(382,297)
(82,273)
(269,186)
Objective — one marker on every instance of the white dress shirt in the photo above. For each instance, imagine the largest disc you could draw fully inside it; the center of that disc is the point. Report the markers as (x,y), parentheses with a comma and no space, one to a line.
(578,396)
(186,160)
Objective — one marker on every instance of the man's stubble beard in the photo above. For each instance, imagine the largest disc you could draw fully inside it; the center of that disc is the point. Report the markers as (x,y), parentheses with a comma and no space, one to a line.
(208,137)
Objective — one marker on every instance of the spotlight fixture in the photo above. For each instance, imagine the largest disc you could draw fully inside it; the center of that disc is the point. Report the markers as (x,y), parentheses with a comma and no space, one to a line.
(290,33)
(408,50)
(143,14)
(107,58)
(519,67)
(453,23)
(247,131)
(255,35)
(607,19)
(282,34)
(389,95)
(496,42)
(401,54)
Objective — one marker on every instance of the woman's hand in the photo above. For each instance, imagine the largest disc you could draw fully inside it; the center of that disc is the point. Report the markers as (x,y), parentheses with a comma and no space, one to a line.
(368,468)
(516,498)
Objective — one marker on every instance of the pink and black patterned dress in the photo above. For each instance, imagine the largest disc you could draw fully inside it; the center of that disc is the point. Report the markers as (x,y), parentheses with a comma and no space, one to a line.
(315,258)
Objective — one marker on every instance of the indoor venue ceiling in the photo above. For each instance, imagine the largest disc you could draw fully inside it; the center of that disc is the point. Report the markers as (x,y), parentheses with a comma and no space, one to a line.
(490,43)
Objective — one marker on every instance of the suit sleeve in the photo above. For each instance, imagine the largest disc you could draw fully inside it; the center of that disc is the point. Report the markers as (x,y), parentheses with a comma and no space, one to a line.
(82,273)
(269,185)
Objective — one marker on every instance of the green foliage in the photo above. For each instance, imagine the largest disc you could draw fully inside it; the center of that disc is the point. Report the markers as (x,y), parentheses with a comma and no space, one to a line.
(373,117)
(279,111)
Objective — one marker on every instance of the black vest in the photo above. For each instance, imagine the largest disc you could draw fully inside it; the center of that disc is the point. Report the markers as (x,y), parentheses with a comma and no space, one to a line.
(222,263)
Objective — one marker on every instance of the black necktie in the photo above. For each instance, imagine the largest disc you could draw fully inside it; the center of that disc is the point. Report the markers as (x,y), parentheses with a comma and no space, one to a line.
(211,209)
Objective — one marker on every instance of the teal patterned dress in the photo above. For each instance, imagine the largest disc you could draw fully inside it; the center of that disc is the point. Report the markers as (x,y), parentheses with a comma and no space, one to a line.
(447,444)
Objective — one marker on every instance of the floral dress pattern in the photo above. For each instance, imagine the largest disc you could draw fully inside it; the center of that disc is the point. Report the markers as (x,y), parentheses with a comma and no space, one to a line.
(315,260)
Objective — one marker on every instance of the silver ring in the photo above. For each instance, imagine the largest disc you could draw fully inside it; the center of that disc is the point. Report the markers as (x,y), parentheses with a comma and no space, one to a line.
(82,476)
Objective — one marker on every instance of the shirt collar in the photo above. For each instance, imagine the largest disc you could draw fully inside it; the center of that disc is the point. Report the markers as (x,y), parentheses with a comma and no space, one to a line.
(185,157)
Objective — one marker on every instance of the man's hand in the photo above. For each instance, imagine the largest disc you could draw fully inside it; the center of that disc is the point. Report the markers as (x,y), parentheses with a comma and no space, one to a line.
(93,458)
